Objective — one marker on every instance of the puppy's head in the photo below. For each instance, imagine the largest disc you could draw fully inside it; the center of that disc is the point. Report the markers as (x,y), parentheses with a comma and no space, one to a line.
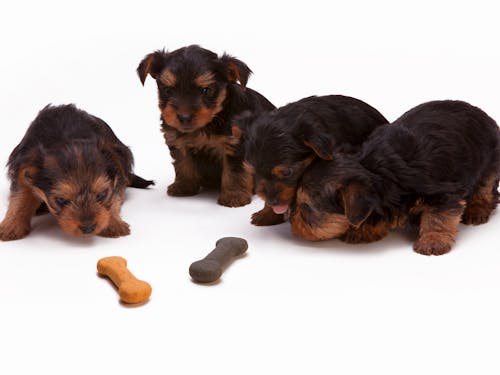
(81,183)
(333,197)
(192,84)
(279,146)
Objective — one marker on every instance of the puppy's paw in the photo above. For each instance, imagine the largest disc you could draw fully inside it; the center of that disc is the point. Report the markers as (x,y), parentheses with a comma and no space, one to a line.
(266,217)
(12,231)
(432,244)
(232,199)
(178,189)
(476,214)
(116,228)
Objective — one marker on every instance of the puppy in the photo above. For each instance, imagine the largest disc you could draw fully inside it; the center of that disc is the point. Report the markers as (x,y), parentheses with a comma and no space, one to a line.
(199,94)
(71,164)
(435,166)
(281,144)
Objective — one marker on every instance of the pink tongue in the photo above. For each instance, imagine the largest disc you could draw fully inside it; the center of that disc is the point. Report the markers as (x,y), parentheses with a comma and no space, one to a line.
(281,209)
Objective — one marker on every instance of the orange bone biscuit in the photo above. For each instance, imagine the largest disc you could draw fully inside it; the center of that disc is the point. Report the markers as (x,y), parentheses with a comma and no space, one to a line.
(130,289)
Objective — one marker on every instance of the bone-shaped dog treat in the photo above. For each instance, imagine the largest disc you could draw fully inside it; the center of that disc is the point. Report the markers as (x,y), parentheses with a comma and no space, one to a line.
(130,289)
(211,267)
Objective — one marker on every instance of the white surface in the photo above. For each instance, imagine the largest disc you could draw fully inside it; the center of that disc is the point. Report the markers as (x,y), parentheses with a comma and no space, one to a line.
(288,306)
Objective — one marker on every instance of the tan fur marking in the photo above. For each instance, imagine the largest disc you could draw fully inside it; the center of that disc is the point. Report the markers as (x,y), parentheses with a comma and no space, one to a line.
(437,230)
(333,225)
(205,79)
(482,203)
(266,216)
(236,187)
(17,222)
(168,78)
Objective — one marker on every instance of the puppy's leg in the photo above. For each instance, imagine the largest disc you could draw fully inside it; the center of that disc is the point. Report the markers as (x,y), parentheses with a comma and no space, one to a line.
(17,222)
(236,183)
(482,202)
(266,216)
(438,228)
(187,179)
(116,226)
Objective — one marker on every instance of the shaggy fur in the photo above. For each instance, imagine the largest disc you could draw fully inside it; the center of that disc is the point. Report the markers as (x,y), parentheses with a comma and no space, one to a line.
(199,94)
(281,144)
(435,166)
(71,164)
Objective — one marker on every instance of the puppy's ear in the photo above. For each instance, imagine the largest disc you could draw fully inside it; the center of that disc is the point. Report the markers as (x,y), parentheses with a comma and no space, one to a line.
(358,203)
(321,145)
(118,160)
(312,132)
(152,64)
(237,70)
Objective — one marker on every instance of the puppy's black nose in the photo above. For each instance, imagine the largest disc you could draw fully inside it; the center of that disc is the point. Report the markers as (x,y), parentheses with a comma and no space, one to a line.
(87,229)
(273,201)
(184,118)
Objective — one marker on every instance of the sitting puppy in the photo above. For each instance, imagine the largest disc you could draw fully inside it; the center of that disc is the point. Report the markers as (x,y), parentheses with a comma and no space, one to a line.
(71,164)
(281,144)
(437,164)
(199,95)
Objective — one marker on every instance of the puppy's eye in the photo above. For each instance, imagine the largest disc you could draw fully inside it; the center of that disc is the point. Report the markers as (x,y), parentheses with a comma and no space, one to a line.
(165,90)
(287,172)
(101,195)
(62,201)
(207,91)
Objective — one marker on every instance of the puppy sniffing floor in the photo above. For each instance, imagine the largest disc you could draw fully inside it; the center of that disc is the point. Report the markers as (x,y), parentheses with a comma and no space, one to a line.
(71,164)
(199,94)
(435,166)
(281,144)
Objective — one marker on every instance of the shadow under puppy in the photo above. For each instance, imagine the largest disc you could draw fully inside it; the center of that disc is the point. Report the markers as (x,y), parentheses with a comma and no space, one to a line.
(281,144)
(199,95)
(435,166)
(71,164)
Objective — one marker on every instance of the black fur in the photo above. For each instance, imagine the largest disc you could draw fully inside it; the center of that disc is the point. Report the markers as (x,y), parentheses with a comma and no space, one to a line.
(293,135)
(59,131)
(436,155)
(197,120)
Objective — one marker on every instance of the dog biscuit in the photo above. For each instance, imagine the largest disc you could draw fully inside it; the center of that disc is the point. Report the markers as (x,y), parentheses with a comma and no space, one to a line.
(211,267)
(130,289)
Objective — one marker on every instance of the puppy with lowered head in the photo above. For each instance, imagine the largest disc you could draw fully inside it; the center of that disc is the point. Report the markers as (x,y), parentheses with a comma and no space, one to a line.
(71,164)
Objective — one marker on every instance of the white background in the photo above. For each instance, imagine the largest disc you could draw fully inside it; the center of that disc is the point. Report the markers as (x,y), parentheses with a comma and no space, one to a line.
(289,306)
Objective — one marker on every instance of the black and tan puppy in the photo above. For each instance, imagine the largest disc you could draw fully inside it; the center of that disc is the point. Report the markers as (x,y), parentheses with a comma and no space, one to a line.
(72,164)
(281,144)
(435,166)
(199,94)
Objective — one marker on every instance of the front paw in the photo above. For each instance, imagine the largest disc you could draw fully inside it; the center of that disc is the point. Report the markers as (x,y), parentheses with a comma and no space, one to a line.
(231,199)
(266,217)
(117,228)
(12,231)
(178,189)
(432,244)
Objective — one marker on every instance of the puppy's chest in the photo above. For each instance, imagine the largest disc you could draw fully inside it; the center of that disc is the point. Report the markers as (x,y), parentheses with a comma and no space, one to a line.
(199,142)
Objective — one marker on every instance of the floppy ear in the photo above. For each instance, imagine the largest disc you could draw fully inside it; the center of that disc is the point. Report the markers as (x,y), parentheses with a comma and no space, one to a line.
(312,132)
(236,70)
(152,64)
(358,204)
(321,145)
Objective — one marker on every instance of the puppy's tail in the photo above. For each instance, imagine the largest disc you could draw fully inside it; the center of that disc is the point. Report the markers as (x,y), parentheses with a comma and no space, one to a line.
(139,182)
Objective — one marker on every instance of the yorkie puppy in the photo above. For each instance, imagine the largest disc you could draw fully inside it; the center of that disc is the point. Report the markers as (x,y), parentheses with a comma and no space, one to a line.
(281,144)
(435,166)
(199,94)
(71,164)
